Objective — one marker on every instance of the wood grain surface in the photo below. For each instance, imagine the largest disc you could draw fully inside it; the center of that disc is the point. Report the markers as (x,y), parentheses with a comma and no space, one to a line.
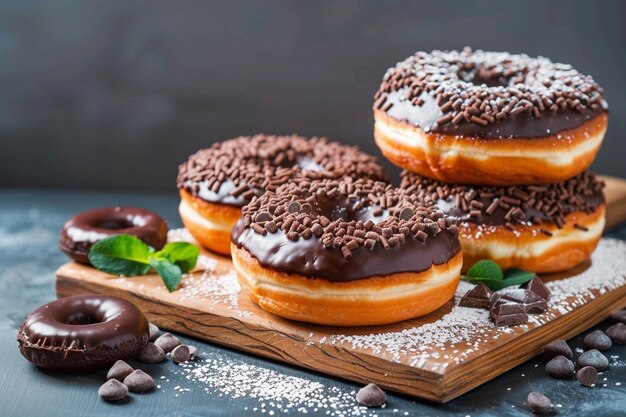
(433,357)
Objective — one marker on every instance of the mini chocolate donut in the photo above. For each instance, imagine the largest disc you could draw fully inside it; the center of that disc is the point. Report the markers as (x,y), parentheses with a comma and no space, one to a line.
(490,118)
(82,231)
(540,228)
(215,183)
(82,332)
(346,253)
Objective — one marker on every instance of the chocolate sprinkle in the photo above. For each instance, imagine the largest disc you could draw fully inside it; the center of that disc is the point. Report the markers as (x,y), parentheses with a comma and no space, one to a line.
(407,217)
(524,205)
(462,92)
(234,171)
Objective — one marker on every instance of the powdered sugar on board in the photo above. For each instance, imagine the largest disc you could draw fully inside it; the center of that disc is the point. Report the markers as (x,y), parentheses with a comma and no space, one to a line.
(461,334)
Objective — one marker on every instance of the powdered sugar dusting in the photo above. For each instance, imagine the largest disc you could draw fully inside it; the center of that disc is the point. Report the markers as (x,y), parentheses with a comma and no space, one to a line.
(275,392)
(219,287)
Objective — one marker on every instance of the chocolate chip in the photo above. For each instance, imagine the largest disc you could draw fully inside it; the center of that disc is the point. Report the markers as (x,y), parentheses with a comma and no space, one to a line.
(556,348)
(294,207)
(587,375)
(193,351)
(531,302)
(593,358)
(180,354)
(113,390)
(508,314)
(617,333)
(406,213)
(477,297)
(560,367)
(618,316)
(155,332)
(537,286)
(167,342)
(119,371)
(597,340)
(539,403)
(371,396)
(151,353)
(263,216)
(139,381)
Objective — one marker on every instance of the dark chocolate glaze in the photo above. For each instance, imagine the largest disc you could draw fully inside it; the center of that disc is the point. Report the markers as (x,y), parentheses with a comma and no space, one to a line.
(82,231)
(524,125)
(82,333)
(311,259)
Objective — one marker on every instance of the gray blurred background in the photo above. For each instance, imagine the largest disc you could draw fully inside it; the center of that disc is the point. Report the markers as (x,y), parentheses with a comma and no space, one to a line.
(115,94)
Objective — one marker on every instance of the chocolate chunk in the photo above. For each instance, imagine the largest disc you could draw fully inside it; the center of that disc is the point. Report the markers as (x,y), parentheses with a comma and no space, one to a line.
(560,367)
(477,297)
(556,348)
(618,316)
(139,381)
(587,375)
(151,353)
(539,403)
(119,371)
(167,342)
(155,332)
(508,314)
(617,333)
(371,396)
(597,340)
(593,358)
(531,302)
(537,286)
(113,390)
(180,354)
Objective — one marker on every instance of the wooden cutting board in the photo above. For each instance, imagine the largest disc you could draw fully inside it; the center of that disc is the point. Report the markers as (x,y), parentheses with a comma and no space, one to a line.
(436,357)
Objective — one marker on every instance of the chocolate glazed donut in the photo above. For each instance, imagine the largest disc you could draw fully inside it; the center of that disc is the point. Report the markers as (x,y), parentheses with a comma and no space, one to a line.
(82,333)
(82,231)
(345,253)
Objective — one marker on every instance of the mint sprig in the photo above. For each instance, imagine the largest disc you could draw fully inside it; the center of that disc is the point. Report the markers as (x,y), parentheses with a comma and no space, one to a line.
(129,256)
(491,274)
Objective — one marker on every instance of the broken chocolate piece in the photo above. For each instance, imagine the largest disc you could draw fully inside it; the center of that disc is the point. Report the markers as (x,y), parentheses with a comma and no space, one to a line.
(531,302)
(508,314)
(537,286)
(477,297)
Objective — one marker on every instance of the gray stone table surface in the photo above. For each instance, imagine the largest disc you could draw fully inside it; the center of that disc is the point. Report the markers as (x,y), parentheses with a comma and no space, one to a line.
(30,221)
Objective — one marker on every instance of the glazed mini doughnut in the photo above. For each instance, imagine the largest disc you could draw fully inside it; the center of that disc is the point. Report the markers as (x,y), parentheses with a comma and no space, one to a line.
(216,182)
(540,228)
(82,231)
(489,118)
(345,253)
(82,333)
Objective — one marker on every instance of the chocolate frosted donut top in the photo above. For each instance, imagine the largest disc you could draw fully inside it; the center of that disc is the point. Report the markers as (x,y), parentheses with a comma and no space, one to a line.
(488,94)
(345,230)
(83,332)
(234,171)
(510,206)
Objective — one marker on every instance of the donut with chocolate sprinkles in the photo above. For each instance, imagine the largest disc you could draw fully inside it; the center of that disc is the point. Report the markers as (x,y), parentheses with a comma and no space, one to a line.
(476,117)
(346,252)
(214,183)
(540,228)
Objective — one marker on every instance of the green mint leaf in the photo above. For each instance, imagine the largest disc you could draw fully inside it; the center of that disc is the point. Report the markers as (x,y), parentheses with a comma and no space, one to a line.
(183,254)
(121,255)
(170,273)
(516,276)
(485,270)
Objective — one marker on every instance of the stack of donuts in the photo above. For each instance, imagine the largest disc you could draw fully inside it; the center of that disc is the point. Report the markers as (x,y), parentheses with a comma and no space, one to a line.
(501,143)
(495,149)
